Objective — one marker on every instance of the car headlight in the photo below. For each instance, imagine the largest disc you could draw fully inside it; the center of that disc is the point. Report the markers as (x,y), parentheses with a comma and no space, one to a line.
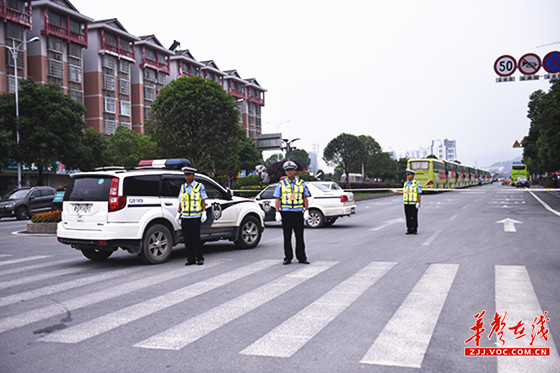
(9,205)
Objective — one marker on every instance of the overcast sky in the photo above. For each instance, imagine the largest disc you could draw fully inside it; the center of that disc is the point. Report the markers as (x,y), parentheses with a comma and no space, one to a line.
(404,72)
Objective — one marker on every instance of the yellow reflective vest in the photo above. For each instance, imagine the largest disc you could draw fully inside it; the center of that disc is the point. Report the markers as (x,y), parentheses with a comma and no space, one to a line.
(191,204)
(410,192)
(292,196)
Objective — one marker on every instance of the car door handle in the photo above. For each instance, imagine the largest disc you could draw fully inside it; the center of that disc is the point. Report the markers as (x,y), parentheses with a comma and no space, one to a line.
(168,204)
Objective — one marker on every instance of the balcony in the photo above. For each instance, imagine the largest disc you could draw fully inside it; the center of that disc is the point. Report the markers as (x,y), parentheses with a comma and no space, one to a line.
(15,15)
(161,66)
(117,50)
(236,93)
(256,100)
(65,33)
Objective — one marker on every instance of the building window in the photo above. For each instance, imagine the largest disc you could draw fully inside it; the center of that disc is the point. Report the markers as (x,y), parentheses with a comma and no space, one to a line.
(150,75)
(77,95)
(11,83)
(108,83)
(15,31)
(109,62)
(161,78)
(124,87)
(124,67)
(55,68)
(125,124)
(74,73)
(75,50)
(110,106)
(150,54)
(149,93)
(109,127)
(147,113)
(125,108)
(111,39)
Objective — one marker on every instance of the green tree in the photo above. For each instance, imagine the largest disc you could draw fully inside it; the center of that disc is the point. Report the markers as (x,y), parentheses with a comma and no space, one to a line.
(7,129)
(346,151)
(195,118)
(301,156)
(126,148)
(95,147)
(432,156)
(273,159)
(50,126)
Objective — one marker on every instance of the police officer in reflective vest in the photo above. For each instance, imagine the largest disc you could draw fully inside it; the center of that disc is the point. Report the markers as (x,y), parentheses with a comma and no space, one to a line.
(411,192)
(192,213)
(291,209)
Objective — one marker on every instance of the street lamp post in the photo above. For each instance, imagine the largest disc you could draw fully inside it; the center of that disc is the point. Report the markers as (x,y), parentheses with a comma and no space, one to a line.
(14,50)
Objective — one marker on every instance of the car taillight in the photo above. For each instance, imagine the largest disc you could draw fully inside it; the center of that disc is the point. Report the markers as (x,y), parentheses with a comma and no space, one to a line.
(343,198)
(116,202)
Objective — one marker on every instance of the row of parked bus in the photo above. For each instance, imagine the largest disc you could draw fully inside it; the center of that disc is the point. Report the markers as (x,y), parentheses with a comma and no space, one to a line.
(437,173)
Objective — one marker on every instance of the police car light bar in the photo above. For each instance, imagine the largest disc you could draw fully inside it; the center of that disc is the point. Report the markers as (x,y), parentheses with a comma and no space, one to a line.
(174,164)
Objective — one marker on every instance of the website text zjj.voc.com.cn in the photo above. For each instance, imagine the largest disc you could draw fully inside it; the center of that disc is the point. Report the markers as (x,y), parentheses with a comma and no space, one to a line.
(507,351)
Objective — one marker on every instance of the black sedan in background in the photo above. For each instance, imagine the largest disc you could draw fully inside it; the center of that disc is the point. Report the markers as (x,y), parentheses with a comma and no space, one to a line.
(24,202)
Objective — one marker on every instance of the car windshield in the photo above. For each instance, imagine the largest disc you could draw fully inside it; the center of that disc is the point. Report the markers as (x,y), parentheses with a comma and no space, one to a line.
(89,188)
(325,187)
(16,194)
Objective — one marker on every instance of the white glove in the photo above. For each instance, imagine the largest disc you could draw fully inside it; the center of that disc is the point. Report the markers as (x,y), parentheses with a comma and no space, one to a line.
(417,205)
(178,217)
(203,217)
(278,217)
(306,215)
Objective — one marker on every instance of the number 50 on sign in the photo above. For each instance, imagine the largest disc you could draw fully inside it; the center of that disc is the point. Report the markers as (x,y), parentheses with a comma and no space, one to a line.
(505,65)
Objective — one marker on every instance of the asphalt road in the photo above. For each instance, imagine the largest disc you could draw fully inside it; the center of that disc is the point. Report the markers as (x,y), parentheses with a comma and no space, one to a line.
(372,300)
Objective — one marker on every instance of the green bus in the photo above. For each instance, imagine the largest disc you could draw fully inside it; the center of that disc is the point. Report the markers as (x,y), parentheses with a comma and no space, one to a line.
(517,170)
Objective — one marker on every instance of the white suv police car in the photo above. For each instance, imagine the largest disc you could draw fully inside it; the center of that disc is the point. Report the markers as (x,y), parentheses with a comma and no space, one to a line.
(135,210)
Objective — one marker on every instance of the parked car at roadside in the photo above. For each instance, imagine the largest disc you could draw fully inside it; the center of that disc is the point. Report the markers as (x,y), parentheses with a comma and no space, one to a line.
(327,203)
(24,202)
(522,182)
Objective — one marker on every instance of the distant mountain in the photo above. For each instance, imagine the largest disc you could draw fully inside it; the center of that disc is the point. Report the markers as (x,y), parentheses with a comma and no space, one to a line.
(503,168)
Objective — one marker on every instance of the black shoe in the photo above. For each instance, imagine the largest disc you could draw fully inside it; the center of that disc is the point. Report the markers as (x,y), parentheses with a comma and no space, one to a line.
(190,263)
(408,232)
(414,232)
(199,262)
(304,262)
(286,261)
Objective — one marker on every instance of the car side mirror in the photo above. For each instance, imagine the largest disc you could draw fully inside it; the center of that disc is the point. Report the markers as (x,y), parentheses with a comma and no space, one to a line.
(229,193)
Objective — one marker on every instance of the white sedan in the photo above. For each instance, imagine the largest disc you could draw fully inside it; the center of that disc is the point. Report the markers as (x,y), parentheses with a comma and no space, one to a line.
(327,203)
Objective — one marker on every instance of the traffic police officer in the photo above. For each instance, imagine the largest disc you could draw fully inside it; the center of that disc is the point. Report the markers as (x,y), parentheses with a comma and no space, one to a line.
(411,192)
(291,208)
(192,213)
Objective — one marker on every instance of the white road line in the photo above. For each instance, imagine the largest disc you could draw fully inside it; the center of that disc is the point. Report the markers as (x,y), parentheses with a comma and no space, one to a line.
(5,255)
(40,277)
(515,294)
(27,259)
(404,340)
(286,339)
(432,237)
(197,327)
(126,315)
(35,266)
(386,224)
(453,217)
(545,205)
(25,318)
(51,289)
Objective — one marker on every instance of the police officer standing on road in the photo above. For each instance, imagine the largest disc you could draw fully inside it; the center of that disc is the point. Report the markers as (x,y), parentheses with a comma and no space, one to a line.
(291,208)
(191,214)
(411,192)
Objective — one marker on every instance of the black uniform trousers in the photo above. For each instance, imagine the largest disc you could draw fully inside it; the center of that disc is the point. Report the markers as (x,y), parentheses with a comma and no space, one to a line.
(293,221)
(191,237)
(411,214)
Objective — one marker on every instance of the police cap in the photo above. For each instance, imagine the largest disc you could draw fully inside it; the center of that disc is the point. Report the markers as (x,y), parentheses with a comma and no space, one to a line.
(289,165)
(188,170)
(409,171)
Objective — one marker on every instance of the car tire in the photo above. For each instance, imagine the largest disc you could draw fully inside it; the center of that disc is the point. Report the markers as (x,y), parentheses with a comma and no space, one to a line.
(249,234)
(329,221)
(95,254)
(22,213)
(156,245)
(316,219)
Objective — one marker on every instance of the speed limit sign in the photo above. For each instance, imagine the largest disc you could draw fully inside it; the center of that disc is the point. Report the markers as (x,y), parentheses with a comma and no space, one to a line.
(505,65)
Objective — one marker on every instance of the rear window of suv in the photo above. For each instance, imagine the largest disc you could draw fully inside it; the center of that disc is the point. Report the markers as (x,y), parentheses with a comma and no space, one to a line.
(92,188)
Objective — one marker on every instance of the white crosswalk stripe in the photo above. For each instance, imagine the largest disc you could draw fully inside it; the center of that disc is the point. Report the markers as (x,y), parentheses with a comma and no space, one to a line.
(403,342)
(22,260)
(197,327)
(40,277)
(293,334)
(515,294)
(121,317)
(42,313)
(11,271)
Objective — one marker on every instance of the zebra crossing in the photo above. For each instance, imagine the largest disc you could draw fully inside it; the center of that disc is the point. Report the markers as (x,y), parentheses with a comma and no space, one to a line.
(401,342)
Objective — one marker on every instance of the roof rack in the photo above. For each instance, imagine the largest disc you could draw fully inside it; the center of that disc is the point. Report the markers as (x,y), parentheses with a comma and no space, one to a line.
(109,168)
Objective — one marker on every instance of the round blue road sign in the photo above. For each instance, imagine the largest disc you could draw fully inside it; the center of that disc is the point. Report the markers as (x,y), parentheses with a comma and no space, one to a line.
(551,62)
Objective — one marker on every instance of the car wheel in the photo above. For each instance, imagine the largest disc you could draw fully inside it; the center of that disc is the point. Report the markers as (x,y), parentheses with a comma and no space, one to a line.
(249,233)
(96,254)
(156,245)
(316,219)
(22,213)
(329,221)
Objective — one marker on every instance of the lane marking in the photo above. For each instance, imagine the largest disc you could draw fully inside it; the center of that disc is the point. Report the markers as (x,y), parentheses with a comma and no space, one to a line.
(386,224)
(453,217)
(516,295)
(22,260)
(405,339)
(26,318)
(35,266)
(545,205)
(290,336)
(181,335)
(40,277)
(431,239)
(126,315)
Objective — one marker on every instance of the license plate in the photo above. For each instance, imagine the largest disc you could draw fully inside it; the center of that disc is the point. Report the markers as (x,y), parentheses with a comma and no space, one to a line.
(82,208)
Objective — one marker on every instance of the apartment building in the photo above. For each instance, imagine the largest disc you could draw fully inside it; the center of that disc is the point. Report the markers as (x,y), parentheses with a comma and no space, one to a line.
(14,30)
(108,64)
